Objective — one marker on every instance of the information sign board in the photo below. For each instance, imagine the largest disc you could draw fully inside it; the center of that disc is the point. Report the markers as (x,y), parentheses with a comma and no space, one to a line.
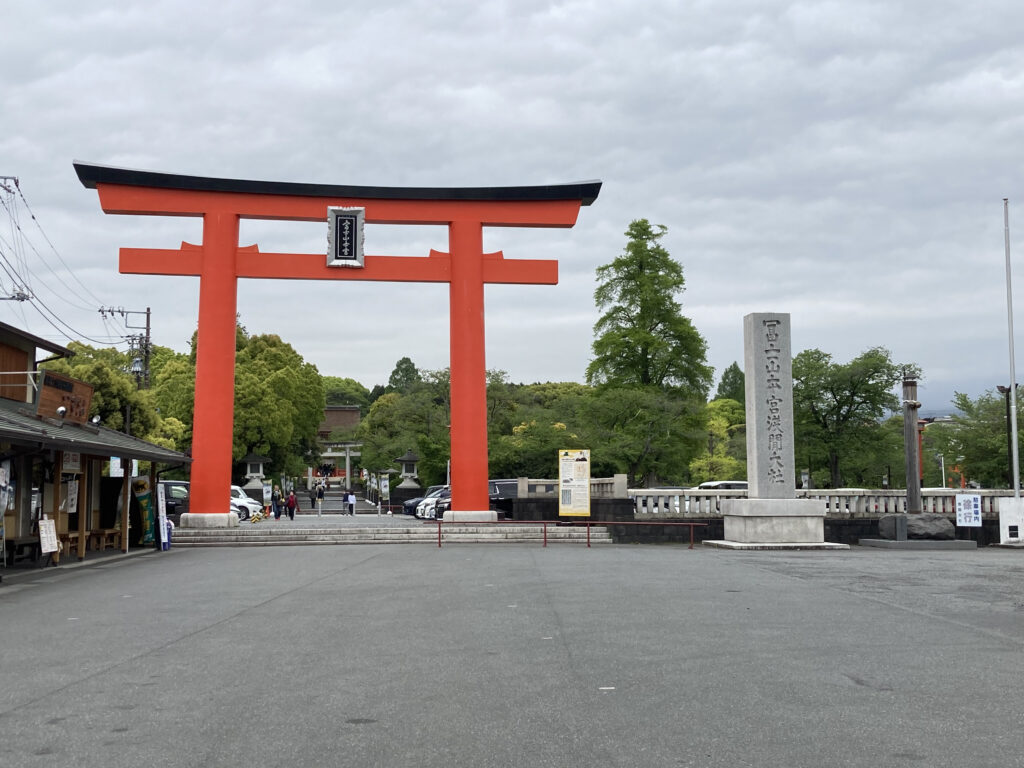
(968,510)
(574,483)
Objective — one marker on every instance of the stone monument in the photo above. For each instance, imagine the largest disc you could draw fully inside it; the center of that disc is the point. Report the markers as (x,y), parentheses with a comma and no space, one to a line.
(771,517)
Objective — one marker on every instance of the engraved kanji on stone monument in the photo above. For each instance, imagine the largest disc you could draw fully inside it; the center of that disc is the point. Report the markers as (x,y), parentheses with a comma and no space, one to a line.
(769,393)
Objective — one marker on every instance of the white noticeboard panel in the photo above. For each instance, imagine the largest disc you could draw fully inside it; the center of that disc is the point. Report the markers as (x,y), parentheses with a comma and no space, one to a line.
(47,536)
(161,508)
(968,510)
(574,483)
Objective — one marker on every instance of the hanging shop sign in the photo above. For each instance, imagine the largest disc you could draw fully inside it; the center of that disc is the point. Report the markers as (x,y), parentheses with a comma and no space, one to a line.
(63,398)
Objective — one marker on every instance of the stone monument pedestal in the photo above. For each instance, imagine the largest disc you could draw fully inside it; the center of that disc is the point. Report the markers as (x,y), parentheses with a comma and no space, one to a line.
(774,524)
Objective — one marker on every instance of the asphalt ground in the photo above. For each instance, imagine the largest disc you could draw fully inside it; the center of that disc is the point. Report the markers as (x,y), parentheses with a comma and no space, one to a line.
(515,655)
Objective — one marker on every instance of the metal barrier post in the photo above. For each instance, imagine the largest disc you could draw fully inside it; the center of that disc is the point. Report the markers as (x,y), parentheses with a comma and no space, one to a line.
(545,533)
(439,534)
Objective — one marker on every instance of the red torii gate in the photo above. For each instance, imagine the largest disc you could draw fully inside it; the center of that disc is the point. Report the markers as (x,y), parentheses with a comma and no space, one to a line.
(220,261)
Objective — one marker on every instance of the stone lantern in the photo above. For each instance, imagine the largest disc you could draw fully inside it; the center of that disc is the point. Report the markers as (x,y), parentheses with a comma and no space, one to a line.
(254,478)
(254,467)
(409,488)
(408,470)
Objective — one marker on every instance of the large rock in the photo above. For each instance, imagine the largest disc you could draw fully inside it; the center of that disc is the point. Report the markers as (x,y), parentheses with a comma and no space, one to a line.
(923,526)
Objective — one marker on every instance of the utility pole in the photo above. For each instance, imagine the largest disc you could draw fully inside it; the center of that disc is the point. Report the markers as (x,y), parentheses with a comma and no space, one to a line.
(16,293)
(140,346)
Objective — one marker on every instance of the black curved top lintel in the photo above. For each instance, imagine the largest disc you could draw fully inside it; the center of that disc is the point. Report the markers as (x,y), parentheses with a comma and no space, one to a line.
(90,175)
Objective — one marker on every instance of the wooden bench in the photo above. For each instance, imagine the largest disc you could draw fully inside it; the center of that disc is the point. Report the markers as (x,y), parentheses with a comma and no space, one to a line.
(25,548)
(106,538)
(69,543)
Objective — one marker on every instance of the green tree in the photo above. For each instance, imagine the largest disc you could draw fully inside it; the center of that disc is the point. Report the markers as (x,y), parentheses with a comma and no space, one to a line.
(116,394)
(530,449)
(279,404)
(975,439)
(644,432)
(175,386)
(345,391)
(404,377)
(418,420)
(649,365)
(721,458)
(732,385)
(642,337)
(838,407)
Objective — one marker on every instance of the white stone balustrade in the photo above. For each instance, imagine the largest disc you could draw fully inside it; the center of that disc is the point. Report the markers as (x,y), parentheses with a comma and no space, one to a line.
(693,502)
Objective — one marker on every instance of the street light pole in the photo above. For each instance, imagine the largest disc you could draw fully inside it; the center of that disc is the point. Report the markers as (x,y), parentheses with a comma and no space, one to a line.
(1014,459)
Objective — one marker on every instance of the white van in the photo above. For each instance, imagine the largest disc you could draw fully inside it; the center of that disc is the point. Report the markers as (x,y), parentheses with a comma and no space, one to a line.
(723,485)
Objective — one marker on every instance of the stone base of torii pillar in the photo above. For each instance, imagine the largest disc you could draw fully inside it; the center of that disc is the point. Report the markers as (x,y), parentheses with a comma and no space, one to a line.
(771,517)
(208,520)
(469,516)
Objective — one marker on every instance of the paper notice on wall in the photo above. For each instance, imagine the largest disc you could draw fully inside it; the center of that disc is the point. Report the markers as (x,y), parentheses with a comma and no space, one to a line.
(968,510)
(72,496)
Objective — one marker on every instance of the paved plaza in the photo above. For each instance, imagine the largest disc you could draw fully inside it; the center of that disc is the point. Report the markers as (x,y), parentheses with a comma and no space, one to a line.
(515,655)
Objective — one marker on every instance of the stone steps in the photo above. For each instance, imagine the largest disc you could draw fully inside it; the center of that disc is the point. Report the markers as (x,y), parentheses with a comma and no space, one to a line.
(259,535)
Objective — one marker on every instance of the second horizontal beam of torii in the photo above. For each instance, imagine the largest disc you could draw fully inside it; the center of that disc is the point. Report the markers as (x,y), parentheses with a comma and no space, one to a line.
(219,262)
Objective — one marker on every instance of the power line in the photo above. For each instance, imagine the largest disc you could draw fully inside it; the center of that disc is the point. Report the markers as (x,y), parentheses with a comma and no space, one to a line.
(22,238)
(18,271)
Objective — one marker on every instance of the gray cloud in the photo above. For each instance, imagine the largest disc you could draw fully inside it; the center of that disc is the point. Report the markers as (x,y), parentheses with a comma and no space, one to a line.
(841,161)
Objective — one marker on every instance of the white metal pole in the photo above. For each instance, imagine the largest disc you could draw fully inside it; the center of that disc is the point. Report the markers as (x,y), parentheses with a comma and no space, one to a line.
(1013,373)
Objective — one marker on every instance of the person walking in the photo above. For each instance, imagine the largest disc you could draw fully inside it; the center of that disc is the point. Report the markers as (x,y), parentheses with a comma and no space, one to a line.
(277,502)
(292,504)
(350,499)
(319,500)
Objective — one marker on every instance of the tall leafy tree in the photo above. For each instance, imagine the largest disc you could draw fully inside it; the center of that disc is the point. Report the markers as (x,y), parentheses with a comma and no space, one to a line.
(404,377)
(649,365)
(279,403)
(838,407)
(642,337)
(732,385)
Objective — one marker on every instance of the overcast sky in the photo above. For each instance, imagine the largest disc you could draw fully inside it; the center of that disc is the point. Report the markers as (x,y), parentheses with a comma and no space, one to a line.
(844,162)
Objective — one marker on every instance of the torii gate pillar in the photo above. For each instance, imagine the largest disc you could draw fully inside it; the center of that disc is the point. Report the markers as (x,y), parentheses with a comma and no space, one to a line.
(219,262)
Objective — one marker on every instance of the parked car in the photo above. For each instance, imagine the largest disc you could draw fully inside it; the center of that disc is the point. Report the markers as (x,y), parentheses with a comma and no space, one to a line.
(442,506)
(409,507)
(502,493)
(425,509)
(723,485)
(244,504)
(175,498)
